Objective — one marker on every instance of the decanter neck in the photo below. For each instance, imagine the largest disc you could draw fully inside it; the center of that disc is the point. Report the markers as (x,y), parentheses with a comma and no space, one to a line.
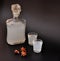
(15,19)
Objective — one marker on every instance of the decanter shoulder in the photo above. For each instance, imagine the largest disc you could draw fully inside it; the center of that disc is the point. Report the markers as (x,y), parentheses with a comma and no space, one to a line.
(9,20)
(23,21)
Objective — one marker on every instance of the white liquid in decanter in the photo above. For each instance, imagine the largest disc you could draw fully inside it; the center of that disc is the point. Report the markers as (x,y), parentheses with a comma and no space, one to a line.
(15,31)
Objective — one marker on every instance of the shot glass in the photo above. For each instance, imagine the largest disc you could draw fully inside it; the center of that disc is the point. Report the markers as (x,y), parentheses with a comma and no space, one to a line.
(32,36)
(37,45)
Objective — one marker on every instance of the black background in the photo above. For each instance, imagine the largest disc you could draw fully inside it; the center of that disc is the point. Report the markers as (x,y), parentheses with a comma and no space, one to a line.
(43,17)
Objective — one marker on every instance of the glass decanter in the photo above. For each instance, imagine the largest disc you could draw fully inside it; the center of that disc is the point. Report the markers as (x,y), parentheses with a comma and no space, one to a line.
(16,27)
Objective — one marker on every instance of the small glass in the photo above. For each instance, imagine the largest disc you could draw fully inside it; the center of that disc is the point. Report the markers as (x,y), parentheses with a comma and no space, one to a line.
(32,36)
(37,45)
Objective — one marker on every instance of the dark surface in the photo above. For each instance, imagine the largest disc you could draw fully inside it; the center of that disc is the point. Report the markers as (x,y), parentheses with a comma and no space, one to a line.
(48,53)
(43,17)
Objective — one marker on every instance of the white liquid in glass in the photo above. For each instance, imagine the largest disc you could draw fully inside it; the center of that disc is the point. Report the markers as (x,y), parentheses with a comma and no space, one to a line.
(37,46)
(31,37)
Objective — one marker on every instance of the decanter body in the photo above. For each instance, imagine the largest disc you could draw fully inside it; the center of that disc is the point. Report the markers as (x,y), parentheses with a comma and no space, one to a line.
(16,31)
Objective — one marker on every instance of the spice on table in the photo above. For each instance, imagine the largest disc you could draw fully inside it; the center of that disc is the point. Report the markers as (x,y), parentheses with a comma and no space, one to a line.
(16,51)
(23,53)
(23,49)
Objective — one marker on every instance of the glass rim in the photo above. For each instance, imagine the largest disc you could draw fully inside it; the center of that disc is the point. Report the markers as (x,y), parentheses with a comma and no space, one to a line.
(38,40)
(32,33)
